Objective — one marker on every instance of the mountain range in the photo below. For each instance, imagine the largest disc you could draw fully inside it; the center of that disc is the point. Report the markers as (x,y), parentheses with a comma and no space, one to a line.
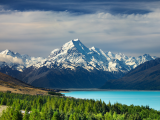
(73,65)
(144,77)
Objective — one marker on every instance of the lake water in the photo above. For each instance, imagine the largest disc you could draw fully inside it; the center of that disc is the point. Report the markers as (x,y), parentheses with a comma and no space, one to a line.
(151,98)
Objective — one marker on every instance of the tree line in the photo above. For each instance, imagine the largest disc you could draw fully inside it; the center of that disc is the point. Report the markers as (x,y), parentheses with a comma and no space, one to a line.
(47,107)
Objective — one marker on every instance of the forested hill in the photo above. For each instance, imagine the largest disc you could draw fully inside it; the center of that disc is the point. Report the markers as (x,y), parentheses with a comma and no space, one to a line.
(144,77)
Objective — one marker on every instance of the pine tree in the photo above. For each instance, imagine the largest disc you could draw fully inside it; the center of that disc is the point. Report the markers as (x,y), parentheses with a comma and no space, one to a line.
(71,117)
(4,101)
(35,115)
(17,115)
(87,108)
(114,115)
(26,115)
(49,113)
(61,106)
(108,116)
(75,116)
(56,116)
(44,113)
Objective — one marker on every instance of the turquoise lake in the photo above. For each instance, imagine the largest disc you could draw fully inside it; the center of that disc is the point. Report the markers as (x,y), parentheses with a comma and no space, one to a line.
(151,98)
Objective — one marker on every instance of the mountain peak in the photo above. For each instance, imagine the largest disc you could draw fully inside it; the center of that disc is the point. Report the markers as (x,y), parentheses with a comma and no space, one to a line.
(110,54)
(71,42)
(7,52)
(68,45)
(145,55)
(75,44)
(76,39)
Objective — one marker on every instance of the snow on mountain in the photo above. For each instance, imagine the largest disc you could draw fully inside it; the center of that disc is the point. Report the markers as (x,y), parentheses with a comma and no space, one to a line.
(17,61)
(70,55)
(73,54)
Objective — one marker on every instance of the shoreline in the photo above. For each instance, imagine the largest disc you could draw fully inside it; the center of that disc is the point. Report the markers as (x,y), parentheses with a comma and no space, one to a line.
(67,90)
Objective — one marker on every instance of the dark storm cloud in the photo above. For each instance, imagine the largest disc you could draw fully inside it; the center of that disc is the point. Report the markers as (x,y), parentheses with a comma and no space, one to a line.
(82,6)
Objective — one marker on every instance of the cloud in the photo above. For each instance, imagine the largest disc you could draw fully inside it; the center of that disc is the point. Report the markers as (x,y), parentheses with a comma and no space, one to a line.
(38,32)
(10,59)
(85,6)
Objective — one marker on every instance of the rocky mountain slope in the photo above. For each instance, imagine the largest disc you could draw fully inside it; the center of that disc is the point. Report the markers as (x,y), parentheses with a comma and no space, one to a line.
(144,77)
(66,78)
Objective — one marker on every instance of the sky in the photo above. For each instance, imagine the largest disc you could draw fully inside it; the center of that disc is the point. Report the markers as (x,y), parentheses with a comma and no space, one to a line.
(36,27)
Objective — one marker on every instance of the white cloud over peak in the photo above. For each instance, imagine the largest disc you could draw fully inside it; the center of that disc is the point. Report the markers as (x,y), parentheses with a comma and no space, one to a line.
(10,59)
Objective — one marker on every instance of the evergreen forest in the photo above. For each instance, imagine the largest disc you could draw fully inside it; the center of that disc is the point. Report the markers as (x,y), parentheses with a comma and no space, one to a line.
(49,107)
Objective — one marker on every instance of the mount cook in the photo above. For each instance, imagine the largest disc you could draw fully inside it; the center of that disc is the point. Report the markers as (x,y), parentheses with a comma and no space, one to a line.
(72,66)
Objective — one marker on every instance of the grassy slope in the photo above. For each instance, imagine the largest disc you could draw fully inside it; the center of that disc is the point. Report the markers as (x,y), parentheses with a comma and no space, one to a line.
(8,83)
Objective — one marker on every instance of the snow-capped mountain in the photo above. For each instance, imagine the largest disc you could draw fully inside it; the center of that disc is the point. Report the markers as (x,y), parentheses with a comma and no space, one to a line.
(17,61)
(144,77)
(72,66)
(73,54)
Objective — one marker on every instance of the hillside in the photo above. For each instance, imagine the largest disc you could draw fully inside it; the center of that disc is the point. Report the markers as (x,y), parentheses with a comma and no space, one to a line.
(144,77)
(66,78)
(8,83)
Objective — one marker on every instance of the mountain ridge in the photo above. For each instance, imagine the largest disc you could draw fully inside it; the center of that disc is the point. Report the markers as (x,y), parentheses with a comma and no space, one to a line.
(73,54)
(144,77)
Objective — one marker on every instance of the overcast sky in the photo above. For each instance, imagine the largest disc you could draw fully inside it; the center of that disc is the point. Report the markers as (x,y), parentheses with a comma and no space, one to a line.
(36,27)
